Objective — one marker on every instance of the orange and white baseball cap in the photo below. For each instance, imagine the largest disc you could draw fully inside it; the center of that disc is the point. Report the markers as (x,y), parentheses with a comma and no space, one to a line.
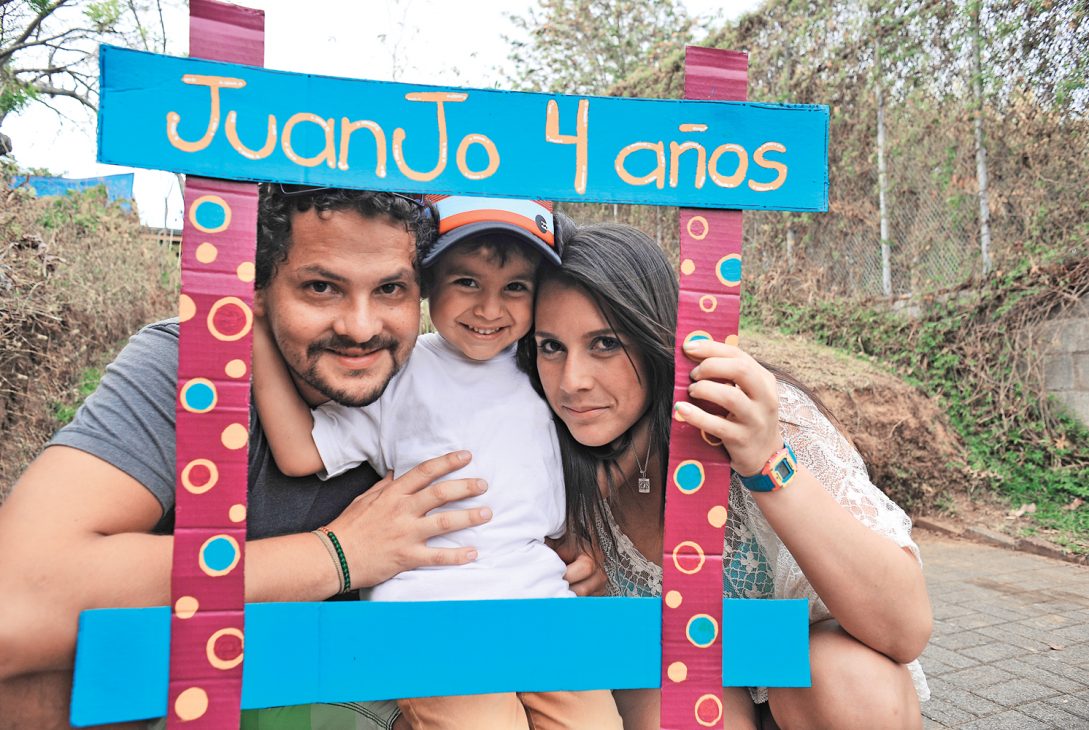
(462,216)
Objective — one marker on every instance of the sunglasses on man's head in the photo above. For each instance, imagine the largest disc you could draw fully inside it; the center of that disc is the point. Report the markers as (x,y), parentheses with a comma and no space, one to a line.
(295,191)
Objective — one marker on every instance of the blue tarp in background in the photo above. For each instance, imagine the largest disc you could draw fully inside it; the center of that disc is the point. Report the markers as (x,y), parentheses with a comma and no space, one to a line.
(118,187)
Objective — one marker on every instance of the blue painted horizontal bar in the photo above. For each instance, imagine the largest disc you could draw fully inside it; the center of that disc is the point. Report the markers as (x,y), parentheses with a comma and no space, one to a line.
(774,652)
(349,651)
(243,123)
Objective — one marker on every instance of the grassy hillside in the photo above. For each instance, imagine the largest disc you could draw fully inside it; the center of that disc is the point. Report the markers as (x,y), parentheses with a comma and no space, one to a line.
(977,352)
(77,276)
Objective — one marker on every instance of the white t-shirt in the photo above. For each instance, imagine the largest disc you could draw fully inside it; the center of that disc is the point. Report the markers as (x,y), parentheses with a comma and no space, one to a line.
(443,401)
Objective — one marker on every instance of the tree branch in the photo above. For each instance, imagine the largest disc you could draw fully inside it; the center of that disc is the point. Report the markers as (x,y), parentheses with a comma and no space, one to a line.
(49,90)
(162,26)
(44,71)
(36,23)
(57,111)
(140,30)
(70,35)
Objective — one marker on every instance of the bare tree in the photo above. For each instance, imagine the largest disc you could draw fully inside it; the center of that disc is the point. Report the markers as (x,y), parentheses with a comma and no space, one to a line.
(48,48)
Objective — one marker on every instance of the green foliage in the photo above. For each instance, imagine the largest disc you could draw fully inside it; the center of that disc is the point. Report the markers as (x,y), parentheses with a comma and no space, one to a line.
(103,14)
(15,94)
(585,46)
(81,209)
(970,351)
(77,277)
(88,381)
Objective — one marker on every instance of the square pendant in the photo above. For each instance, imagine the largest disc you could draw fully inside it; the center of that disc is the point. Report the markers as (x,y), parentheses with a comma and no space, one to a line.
(644,485)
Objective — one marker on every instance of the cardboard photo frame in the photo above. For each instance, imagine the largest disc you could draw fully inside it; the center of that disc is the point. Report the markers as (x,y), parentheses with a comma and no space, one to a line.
(225,122)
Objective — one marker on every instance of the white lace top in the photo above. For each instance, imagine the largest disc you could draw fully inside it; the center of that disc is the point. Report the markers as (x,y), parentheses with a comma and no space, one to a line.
(756,564)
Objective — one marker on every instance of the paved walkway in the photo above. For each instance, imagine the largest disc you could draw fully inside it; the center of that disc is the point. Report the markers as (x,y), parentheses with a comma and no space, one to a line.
(1010,647)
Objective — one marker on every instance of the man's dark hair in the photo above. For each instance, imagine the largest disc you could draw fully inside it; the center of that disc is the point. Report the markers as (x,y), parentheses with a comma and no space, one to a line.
(498,248)
(278,203)
(627,275)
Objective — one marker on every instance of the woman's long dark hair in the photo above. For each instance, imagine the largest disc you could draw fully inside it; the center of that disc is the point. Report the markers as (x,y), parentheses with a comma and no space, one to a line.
(633,284)
(630,279)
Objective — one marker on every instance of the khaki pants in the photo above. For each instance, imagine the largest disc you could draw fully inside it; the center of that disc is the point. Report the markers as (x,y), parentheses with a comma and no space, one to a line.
(593,709)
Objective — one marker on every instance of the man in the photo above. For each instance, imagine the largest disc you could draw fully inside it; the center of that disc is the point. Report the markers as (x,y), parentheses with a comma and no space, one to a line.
(88,525)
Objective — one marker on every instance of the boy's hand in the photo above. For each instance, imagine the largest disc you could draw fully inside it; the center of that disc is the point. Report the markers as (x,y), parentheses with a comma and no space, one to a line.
(584,572)
(384,531)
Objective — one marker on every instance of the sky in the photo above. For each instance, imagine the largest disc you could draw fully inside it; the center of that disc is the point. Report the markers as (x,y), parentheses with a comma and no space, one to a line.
(402,40)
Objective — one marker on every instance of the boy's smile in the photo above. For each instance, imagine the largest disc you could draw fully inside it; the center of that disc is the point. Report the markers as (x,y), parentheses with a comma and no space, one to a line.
(480,305)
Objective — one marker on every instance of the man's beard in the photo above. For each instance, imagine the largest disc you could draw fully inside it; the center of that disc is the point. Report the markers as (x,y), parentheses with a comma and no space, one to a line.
(335,342)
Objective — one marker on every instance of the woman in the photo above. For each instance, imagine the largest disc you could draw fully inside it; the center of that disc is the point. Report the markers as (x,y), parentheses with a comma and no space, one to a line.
(603,351)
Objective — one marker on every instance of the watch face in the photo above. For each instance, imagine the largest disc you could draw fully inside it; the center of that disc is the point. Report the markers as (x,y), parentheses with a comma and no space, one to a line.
(783,470)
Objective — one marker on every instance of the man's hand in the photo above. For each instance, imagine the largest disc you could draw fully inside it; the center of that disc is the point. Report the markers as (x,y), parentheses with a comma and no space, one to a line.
(584,572)
(384,531)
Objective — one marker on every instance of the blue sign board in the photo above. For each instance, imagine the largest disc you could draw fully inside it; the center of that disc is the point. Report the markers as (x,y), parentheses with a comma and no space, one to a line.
(243,123)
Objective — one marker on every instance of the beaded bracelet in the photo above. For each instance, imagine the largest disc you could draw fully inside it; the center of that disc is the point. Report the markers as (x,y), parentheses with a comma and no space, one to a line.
(328,544)
(343,561)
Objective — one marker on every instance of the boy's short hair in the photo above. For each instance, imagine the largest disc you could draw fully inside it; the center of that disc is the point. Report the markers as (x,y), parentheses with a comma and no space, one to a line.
(463,217)
(502,227)
(498,248)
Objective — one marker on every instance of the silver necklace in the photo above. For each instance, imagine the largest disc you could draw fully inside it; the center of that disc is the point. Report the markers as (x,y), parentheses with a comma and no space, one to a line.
(644,481)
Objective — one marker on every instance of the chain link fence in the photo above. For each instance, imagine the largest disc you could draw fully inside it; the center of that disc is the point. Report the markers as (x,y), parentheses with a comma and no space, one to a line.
(1039,210)
(1036,203)
(1034,60)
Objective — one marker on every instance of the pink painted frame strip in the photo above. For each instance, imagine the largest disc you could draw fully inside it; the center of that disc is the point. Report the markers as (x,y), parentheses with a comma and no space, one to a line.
(213,413)
(698,480)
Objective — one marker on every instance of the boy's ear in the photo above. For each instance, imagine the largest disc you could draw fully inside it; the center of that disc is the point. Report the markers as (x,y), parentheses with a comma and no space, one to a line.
(259,302)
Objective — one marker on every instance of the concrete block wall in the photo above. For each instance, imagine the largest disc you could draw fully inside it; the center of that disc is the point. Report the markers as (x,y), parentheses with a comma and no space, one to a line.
(1066,359)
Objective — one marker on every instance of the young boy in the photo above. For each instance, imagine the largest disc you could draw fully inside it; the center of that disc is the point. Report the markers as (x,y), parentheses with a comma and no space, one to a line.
(460,389)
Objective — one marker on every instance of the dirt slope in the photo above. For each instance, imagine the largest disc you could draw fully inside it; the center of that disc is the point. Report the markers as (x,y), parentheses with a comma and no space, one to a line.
(903,435)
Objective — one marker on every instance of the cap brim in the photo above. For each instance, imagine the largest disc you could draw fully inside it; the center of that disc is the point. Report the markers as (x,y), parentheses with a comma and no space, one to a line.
(461,233)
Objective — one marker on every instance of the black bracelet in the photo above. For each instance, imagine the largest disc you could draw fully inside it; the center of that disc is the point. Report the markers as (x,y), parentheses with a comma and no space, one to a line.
(340,555)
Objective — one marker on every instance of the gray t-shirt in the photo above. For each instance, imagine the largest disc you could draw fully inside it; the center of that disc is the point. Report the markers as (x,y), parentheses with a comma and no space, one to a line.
(129,422)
